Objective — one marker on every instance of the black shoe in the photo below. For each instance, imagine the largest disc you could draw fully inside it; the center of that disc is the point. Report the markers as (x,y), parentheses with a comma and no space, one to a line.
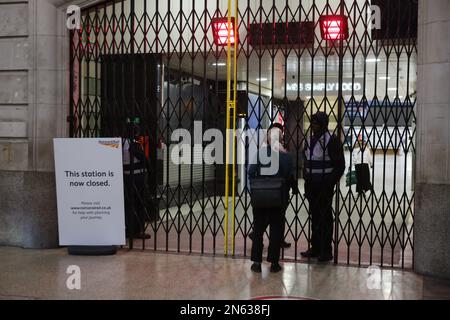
(309,254)
(256,267)
(285,245)
(275,267)
(325,258)
(142,236)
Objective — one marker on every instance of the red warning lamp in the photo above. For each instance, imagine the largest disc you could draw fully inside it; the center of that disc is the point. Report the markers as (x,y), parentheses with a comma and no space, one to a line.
(220,31)
(334,27)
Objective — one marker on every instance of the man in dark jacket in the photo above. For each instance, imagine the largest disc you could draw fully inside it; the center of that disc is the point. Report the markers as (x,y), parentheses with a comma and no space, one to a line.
(324,166)
(275,216)
(134,170)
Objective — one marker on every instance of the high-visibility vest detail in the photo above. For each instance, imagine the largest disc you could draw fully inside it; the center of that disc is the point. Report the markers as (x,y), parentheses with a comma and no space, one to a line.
(126,160)
(126,153)
(318,161)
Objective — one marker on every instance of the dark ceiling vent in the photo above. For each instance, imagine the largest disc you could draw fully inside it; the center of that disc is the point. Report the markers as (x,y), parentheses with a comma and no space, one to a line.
(281,34)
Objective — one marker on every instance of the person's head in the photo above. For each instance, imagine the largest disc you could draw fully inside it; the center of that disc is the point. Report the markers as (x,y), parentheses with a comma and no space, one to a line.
(133,130)
(319,123)
(275,133)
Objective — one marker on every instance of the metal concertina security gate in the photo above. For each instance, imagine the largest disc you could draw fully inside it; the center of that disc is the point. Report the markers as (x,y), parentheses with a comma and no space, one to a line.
(156,63)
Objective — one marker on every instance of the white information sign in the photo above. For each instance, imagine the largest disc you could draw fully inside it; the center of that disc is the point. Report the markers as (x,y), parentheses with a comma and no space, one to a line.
(89,185)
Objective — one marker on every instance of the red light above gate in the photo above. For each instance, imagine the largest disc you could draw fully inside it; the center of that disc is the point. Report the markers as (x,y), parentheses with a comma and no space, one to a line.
(220,31)
(334,27)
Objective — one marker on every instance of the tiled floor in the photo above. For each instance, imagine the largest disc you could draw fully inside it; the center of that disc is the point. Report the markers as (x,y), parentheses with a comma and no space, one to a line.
(41,274)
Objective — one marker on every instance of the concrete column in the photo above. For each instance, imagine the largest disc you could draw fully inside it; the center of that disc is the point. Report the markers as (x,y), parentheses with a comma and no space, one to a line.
(33,107)
(432,200)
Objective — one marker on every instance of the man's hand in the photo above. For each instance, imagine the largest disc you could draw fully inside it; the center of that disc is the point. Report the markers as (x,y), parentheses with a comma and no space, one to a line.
(294,185)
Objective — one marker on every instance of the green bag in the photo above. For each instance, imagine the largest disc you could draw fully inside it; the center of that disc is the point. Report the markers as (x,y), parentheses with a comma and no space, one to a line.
(350,178)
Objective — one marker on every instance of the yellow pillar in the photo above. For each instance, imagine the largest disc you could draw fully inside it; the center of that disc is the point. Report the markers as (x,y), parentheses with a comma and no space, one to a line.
(231,110)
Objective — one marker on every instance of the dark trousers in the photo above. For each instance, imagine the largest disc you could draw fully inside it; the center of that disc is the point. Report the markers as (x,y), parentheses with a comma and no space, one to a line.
(320,198)
(266,224)
(275,218)
(134,204)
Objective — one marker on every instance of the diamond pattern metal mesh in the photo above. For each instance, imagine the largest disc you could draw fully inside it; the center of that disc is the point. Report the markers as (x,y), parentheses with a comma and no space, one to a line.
(366,84)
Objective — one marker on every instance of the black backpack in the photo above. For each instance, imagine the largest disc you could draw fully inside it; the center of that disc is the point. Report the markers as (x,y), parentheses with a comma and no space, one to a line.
(268,191)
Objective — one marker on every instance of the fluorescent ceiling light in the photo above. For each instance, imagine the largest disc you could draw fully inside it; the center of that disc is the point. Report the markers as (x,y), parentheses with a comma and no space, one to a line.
(384,78)
(392,89)
(261,79)
(219,64)
(373,60)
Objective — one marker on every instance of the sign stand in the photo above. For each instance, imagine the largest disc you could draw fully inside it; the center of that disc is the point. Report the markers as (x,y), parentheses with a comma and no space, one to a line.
(92,250)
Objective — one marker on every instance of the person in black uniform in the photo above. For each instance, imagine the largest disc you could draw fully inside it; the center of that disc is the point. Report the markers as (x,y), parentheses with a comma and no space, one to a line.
(324,166)
(134,170)
(292,183)
(275,216)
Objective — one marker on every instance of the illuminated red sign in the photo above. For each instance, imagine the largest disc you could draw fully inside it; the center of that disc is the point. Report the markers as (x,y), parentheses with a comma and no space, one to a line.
(220,31)
(334,27)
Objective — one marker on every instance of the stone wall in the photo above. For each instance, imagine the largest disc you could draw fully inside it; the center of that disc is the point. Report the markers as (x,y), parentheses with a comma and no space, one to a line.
(28,216)
(34,104)
(432,204)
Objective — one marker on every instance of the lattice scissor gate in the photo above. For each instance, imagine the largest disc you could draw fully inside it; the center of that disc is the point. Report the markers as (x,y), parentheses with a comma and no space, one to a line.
(155,63)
